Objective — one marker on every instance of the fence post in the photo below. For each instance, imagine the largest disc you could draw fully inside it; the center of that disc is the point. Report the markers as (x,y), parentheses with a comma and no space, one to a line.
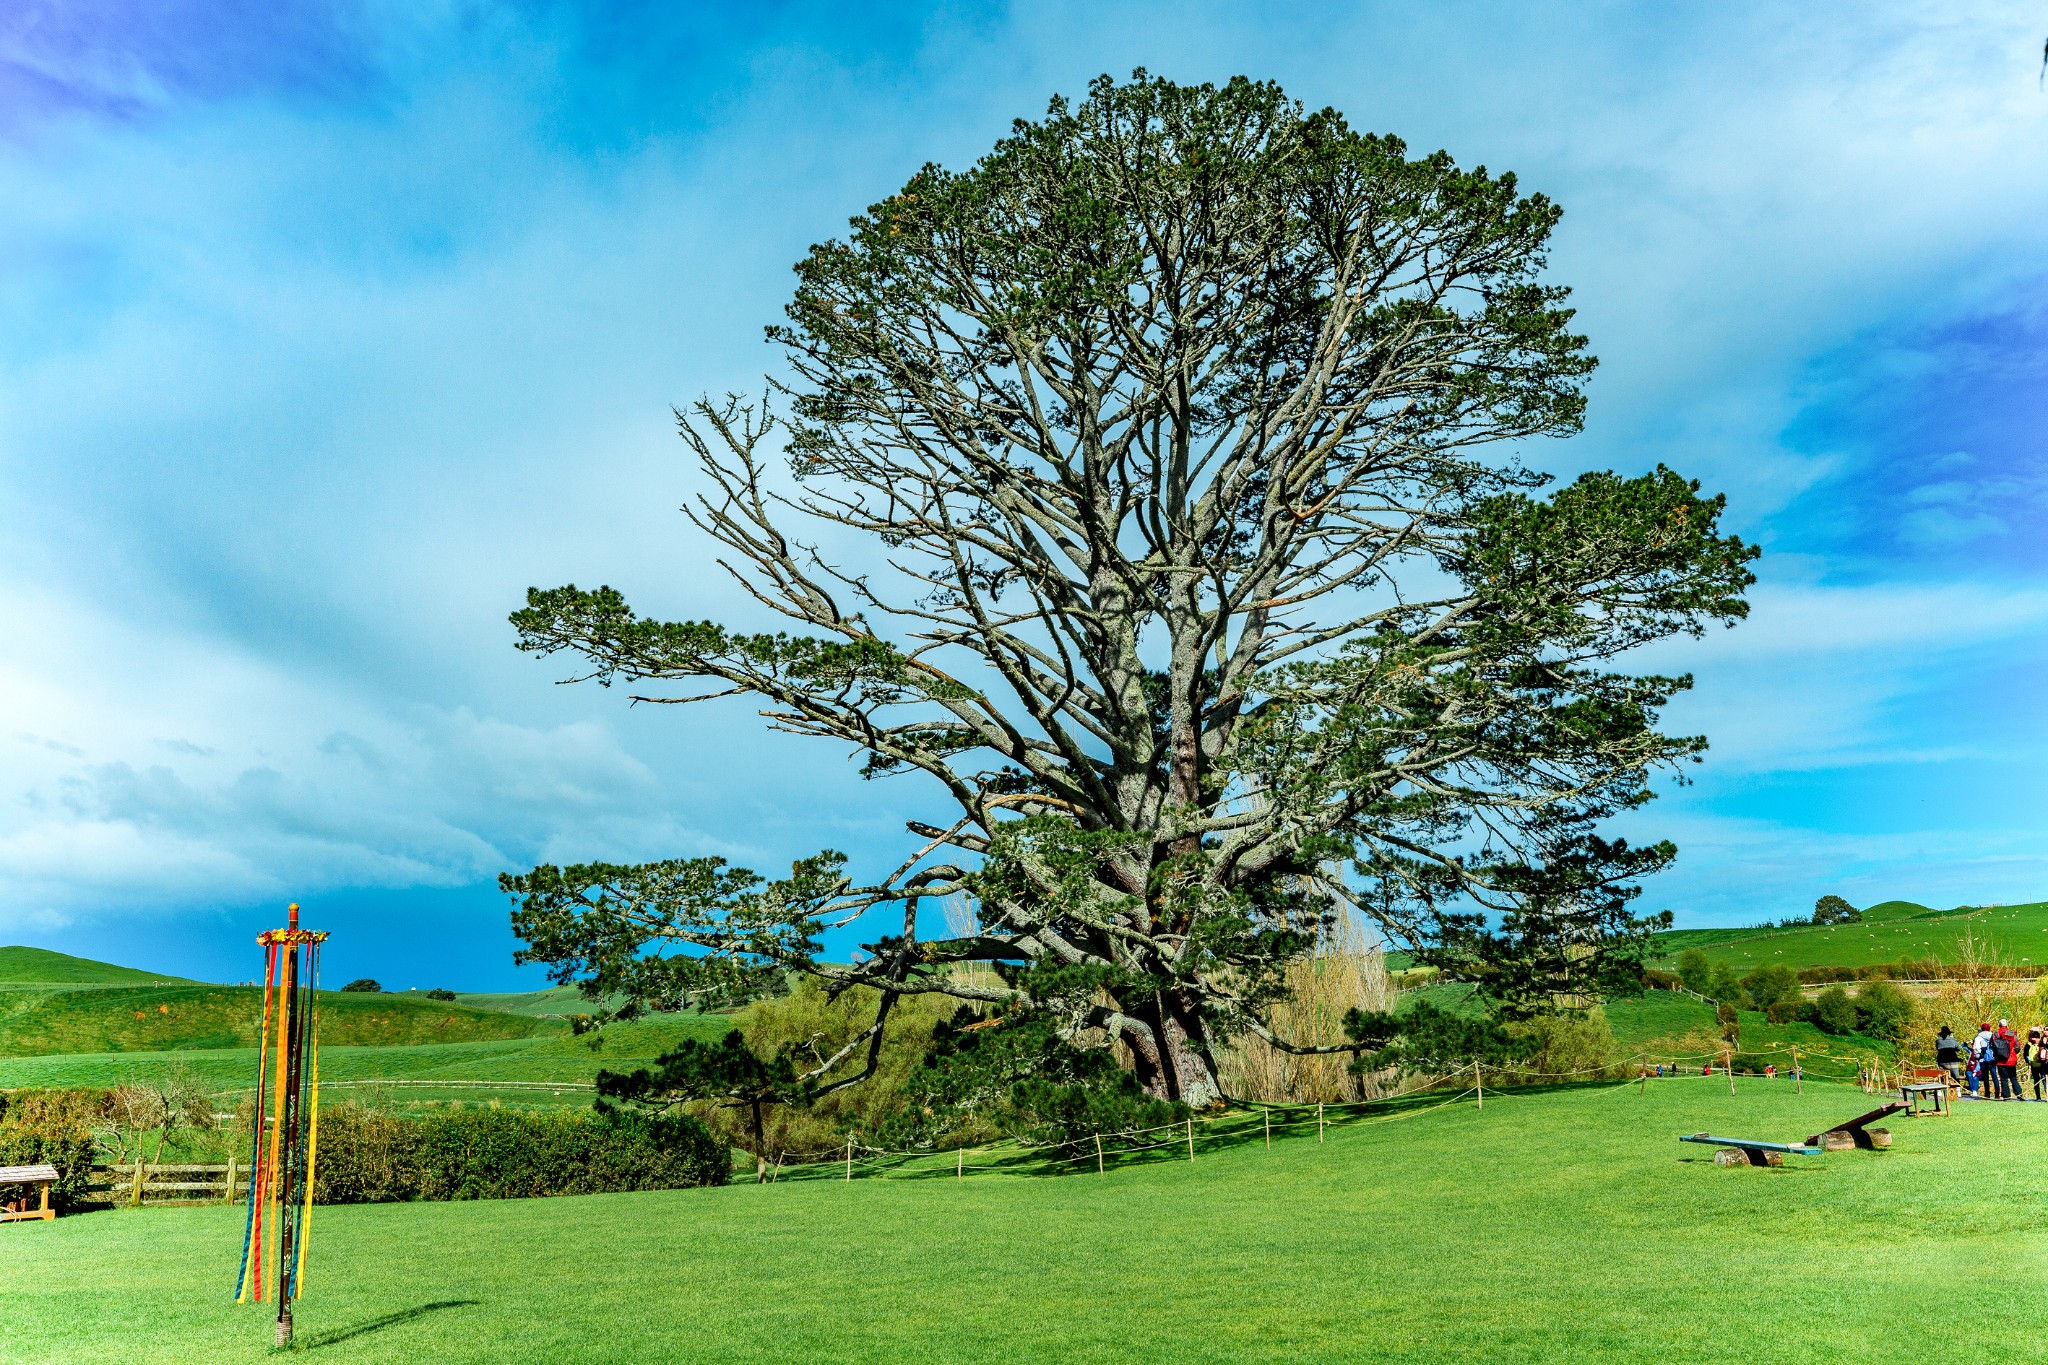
(1728,1057)
(1478,1086)
(849,1158)
(1191,1139)
(229,1197)
(1798,1080)
(959,1164)
(1098,1155)
(1319,1120)
(1269,1128)
(135,1198)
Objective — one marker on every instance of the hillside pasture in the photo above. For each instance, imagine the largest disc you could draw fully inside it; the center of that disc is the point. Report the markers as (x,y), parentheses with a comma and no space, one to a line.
(2014,934)
(1560,1225)
(40,966)
(467,1068)
(89,1019)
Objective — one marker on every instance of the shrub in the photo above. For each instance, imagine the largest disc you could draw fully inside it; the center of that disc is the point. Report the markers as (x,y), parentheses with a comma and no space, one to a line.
(1723,986)
(1768,985)
(1571,1046)
(1791,1010)
(440,994)
(54,1128)
(1884,1011)
(1730,1021)
(364,983)
(1661,981)
(1833,1012)
(1693,970)
(806,1018)
(1751,1063)
(367,1156)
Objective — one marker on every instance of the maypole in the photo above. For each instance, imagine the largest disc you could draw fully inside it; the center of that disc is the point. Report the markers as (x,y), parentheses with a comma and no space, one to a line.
(287,1123)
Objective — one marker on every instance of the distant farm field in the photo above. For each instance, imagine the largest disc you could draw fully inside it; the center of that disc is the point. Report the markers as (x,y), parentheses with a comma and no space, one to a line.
(2016,934)
(467,1070)
(1558,1226)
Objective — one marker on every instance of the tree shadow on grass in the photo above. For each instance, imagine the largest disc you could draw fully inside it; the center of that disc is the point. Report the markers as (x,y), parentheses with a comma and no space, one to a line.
(334,1336)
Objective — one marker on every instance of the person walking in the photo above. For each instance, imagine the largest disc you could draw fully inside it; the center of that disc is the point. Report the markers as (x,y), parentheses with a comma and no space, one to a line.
(2037,1060)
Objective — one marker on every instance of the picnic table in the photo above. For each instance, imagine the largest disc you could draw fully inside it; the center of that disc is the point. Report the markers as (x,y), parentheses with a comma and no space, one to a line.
(44,1176)
(1914,1093)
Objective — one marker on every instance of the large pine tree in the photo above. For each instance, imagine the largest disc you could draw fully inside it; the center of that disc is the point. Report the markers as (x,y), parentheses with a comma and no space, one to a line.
(1209,591)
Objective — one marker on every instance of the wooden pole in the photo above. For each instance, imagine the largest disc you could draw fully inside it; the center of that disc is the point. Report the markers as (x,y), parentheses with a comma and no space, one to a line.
(1191,1139)
(1098,1156)
(1728,1060)
(1269,1128)
(1478,1087)
(135,1198)
(1319,1120)
(1798,1080)
(229,1197)
(849,1158)
(960,1161)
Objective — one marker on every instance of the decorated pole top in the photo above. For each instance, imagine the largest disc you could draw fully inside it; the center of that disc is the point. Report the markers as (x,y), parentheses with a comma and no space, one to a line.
(292,933)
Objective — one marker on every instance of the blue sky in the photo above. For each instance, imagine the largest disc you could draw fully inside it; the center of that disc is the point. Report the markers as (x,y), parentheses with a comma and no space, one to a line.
(323,336)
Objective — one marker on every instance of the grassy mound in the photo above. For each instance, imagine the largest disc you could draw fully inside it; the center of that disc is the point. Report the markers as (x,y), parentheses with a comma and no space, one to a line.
(2016,934)
(40,966)
(1566,1225)
(159,1018)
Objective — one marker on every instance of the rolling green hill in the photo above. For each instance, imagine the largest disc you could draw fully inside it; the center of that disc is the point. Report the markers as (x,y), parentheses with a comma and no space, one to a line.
(2016,934)
(468,1068)
(40,966)
(160,1018)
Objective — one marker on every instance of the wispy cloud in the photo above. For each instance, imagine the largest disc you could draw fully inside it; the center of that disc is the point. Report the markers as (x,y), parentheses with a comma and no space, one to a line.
(329,329)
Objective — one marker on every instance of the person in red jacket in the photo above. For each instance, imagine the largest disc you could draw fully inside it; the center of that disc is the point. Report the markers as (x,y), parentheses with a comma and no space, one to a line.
(2005,1054)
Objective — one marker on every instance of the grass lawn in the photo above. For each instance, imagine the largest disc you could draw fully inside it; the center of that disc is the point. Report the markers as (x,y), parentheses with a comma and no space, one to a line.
(1558,1226)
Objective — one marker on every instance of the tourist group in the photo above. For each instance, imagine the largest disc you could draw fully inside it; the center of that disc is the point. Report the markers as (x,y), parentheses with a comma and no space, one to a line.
(1989,1064)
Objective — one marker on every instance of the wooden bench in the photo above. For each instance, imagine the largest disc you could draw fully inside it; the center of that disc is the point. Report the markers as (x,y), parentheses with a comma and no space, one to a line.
(44,1176)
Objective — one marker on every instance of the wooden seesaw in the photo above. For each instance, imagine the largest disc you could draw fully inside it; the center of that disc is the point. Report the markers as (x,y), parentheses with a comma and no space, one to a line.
(1744,1151)
(1857,1132)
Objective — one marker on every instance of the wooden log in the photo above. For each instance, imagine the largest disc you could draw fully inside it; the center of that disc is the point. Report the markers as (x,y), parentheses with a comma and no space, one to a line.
(1747,1156)
(1879,1137)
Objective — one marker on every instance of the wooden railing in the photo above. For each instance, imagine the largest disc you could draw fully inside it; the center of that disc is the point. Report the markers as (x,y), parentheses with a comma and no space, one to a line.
(168,1182)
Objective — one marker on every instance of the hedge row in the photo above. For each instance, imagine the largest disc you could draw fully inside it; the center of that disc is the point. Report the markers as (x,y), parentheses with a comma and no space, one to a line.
(1908,970)
(368,1157)
(54,1128)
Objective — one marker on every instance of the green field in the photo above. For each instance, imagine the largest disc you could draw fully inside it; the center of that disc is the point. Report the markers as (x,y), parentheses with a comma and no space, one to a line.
(2016,934)
(43,967)
(517,1063)
(1558,1226)
(38,1020)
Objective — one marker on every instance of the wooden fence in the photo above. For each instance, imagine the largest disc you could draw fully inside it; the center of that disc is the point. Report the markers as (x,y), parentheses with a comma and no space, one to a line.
(168,1182)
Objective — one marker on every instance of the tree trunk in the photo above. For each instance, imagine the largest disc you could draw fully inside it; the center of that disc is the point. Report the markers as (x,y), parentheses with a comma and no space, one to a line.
(760,1147)
(1184,1069)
